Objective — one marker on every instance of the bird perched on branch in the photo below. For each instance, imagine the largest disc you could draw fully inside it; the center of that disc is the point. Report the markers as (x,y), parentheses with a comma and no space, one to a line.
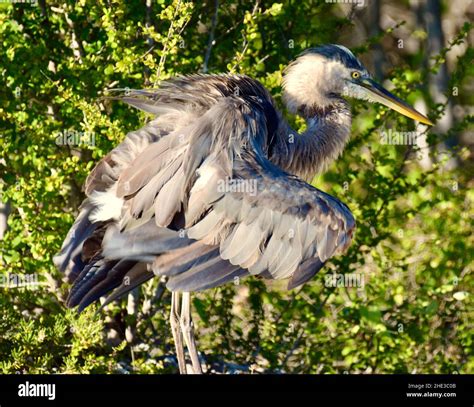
(217,187)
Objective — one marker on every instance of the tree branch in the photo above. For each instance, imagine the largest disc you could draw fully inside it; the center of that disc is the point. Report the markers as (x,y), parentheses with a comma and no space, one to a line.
(211,40)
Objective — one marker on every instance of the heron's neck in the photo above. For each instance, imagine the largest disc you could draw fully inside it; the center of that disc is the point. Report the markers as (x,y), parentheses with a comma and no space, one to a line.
(309,153)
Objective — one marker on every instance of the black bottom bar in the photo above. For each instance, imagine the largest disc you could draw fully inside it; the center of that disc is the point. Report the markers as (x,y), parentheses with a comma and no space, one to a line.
(409,389)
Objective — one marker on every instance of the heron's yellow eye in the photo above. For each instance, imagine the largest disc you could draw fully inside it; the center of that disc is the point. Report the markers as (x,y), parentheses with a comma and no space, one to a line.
(355,75)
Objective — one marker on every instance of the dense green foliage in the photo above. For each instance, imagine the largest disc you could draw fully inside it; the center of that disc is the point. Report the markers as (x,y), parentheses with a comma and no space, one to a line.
(413,246)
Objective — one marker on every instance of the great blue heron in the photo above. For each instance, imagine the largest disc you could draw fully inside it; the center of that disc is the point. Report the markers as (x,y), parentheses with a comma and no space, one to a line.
(217,187)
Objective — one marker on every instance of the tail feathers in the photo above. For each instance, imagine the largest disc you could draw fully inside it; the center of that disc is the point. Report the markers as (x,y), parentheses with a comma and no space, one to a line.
(114,276)
(101,277)
(143,243)
(195,267)
(94,272)
(235,276)
(207,274)
(136,276)
(100,259)
(305,272)
(183,259)
(68,260)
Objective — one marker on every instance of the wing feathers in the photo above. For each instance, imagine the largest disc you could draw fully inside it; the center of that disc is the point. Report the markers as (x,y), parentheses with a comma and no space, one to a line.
(201,166)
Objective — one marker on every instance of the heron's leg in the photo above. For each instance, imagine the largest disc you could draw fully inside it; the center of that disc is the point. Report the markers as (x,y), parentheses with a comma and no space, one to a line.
(176,331)
(188,332)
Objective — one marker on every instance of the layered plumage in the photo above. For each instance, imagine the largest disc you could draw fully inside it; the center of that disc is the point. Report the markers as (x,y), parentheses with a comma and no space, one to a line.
(210,190)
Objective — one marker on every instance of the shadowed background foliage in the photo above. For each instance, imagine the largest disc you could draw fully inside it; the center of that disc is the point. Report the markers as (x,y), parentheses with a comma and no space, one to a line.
(413,203)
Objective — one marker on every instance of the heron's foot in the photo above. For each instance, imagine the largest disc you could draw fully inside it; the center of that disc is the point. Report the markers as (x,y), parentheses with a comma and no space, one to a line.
(176,331)
(182,327)
(187,329)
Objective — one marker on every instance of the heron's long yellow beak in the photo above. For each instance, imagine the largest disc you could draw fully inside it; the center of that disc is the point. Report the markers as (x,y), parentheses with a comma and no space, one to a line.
(382,95)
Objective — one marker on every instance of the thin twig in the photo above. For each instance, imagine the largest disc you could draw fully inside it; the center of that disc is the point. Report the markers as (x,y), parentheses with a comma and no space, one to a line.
(293,348)
(246,42)
(211,41)
(165,48)
(149,39)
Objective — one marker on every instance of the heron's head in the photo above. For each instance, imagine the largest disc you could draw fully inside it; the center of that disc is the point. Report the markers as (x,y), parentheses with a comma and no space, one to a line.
(321,75)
